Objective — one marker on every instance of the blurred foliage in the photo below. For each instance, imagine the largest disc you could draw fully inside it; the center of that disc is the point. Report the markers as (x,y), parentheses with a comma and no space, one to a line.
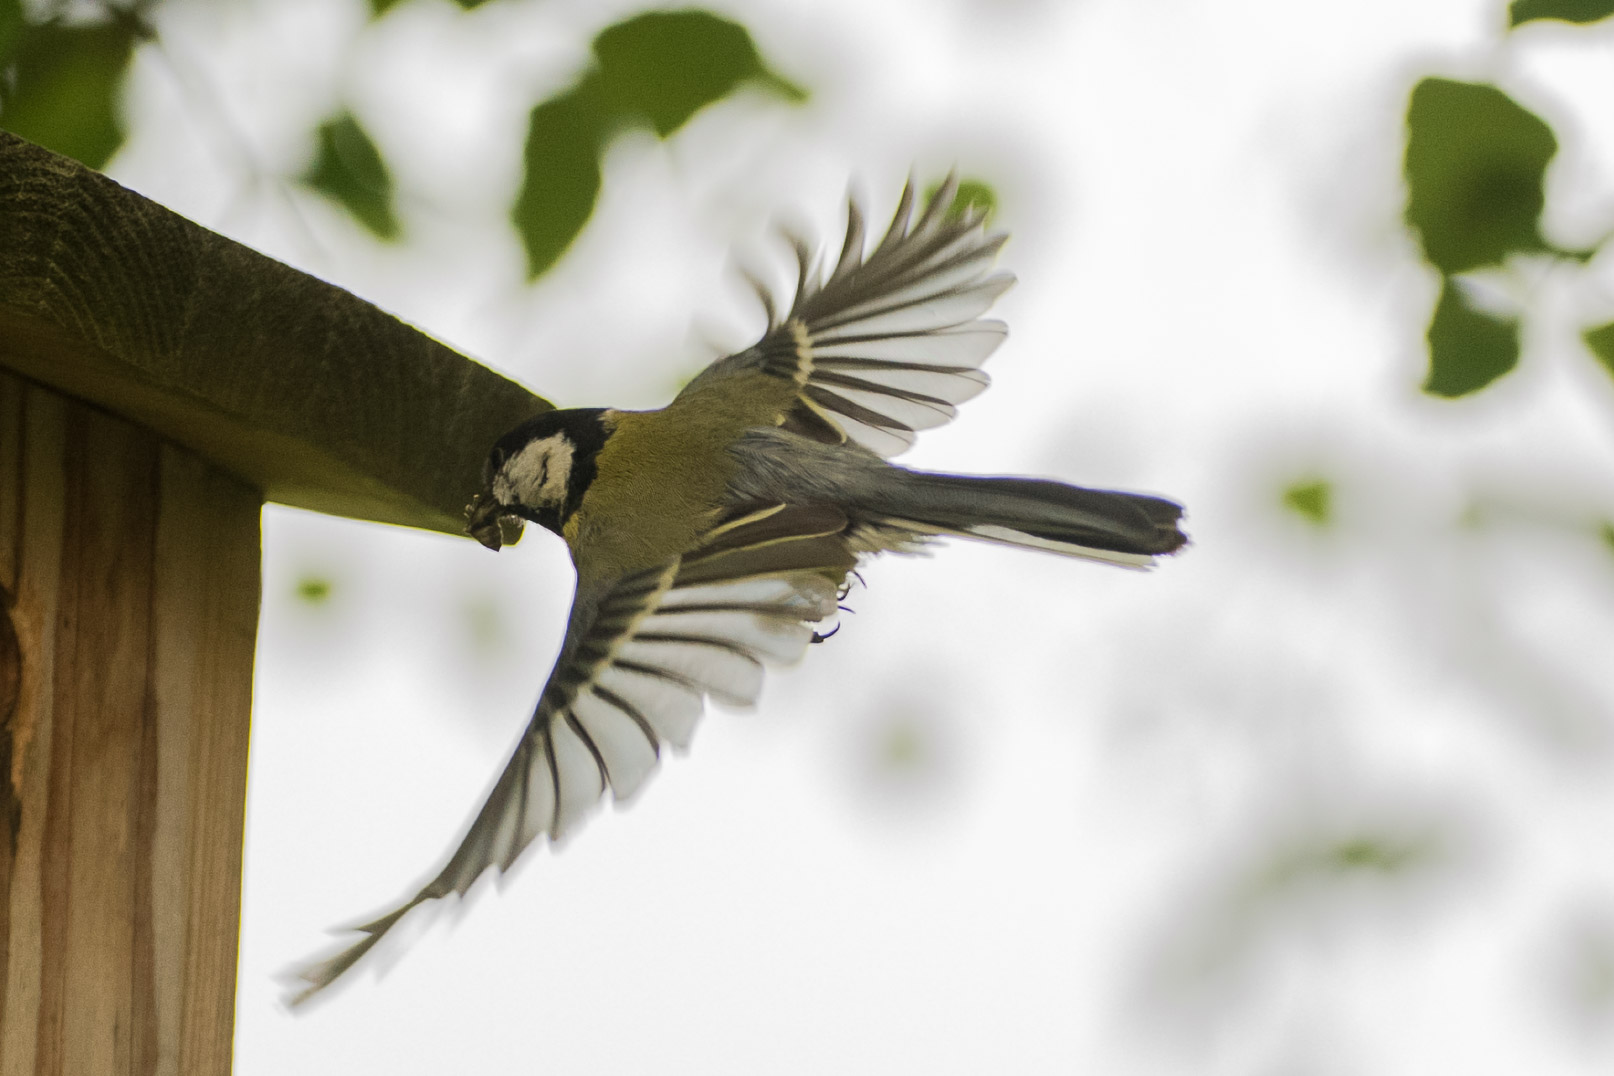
(565,141)
(11,30)
(59,86)
(1475,170)
(348,168)
(1596,972)
(1313,501)
(656,69)
(666,66)
(1468,348)
(1382,854)
(484,621)
(902,745)
(379,8)
(903,755)
(313,589)
(1375,854)
(1475,164)
(1601,341)
(1581,11)
(59,82)
(1293,872)
(971,192)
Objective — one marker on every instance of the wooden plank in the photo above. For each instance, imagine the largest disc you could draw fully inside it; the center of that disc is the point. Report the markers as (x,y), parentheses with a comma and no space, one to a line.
(93,829)
(208,543)
(11,393)
(298,387)
(135,613)
(40,494)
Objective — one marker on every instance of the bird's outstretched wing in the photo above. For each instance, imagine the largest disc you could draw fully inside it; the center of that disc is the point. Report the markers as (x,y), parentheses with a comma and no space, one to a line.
(639,657)
(892,339)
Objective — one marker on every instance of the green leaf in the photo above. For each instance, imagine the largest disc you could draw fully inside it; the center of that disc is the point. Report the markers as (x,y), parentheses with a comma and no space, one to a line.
(348,168)
(667,65)
(659,68)
(59,85)
(1312,500)
(1601,341)
(1606,533)
(971,192)
(1474,168)
(1380,854)
(313,589)
(1468,349)
(1581,11)
(11,29)
(565,136)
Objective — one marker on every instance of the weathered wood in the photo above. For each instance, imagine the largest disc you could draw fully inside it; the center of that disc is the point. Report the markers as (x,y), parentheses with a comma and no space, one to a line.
(304,391)
(129,570)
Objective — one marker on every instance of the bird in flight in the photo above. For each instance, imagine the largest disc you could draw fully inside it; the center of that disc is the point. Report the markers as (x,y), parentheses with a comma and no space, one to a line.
(713,536)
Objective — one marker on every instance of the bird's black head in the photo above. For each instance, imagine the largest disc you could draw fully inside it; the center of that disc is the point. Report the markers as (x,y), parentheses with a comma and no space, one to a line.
(538,471)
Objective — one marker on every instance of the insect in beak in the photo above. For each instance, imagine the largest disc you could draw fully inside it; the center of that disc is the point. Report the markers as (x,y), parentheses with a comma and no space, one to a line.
(484,521)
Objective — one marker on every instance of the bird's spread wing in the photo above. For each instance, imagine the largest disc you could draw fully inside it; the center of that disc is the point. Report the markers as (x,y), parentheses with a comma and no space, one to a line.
(639,657)
(892,339)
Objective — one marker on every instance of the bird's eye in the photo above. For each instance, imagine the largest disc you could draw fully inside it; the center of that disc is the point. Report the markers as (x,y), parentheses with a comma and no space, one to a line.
(495,460)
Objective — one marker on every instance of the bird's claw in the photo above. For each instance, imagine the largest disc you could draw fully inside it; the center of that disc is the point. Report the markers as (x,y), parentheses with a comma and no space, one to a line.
(846,588)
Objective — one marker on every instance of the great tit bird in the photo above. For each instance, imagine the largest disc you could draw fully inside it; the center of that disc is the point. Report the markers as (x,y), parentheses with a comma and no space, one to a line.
(711,537)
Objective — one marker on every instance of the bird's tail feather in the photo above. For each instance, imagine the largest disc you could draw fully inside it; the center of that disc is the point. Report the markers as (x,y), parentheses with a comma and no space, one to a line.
(1129,529)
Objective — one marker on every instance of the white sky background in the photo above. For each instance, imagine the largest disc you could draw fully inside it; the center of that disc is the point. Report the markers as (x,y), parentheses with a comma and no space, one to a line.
(1022,815)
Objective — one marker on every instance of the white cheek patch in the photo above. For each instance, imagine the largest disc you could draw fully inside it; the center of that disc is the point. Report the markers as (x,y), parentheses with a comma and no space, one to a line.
(537,475)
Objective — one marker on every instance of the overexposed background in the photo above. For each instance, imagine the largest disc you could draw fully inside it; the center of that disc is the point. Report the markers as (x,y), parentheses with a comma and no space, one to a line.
(1308,799)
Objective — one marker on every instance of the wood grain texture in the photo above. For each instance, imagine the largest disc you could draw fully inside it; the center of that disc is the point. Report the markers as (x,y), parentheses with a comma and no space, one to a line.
(134,599)
(298,387)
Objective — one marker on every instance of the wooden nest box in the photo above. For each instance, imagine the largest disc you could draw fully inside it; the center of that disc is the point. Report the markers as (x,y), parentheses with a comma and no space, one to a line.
(158,383)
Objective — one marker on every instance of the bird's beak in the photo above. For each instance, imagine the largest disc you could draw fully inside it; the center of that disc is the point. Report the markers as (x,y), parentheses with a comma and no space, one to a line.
(485,521)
